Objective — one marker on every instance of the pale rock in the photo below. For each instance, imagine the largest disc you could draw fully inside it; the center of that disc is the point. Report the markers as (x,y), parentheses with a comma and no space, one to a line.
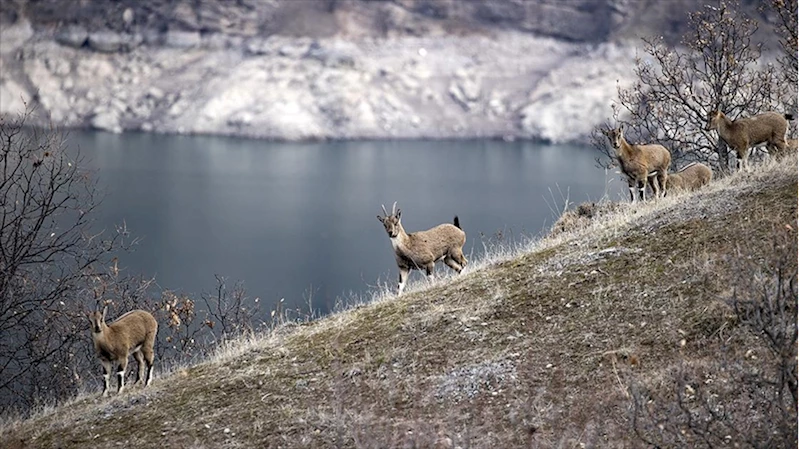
(127,16)
(572,99)
(14,36)
(94,68)
(294,50)
(182,39)
(111,42)
(241,119)
(57,65)
(176,109)
(72,36)
(107,120)
(13,98)
(119,104)
(257,46)
(155,93)
(470,89)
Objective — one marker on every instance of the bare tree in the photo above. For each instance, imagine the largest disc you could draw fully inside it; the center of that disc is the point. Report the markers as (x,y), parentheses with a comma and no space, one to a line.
(48,254)
(55,266)
(786,29)
(230,312)
(717,67)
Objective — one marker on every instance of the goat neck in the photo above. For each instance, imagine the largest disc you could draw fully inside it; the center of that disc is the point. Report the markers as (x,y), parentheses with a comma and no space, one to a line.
(402,239)
(724,126)
(625,148)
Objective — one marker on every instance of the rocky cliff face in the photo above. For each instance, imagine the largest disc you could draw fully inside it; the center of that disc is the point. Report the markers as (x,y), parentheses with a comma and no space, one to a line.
(575,20)
(301,69)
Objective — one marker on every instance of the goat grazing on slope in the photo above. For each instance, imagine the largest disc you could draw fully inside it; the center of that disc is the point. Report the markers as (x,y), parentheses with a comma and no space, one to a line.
(421,250)
(690,177)
(133,332)
(745,133)
(640,163)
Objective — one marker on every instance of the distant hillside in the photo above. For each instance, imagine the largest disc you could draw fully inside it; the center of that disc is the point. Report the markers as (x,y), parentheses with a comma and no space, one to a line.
(330,69)
(549,347)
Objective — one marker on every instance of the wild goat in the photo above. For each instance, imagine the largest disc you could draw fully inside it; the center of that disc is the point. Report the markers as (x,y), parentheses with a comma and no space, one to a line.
(421,250)
(690,177)
(745,133)
(133,332)
(640,163)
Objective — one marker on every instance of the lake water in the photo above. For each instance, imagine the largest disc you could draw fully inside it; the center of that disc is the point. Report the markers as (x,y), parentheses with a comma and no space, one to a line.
(298,219)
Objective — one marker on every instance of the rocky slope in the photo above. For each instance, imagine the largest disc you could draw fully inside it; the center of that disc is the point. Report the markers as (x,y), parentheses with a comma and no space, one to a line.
(288,69)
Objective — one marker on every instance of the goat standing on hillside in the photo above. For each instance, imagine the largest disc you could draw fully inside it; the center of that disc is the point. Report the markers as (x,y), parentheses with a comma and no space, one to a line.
(133,332)
(745,133)
(640,163)
(421,250)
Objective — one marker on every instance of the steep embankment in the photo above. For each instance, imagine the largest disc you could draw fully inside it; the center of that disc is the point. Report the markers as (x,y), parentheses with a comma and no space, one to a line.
(542,346)
(325,69)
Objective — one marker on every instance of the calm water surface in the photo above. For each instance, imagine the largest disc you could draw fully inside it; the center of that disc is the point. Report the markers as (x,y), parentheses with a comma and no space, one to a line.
(292,220)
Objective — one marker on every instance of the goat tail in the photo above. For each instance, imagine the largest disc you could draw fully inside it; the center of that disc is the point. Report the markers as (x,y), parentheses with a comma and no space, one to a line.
(457,222)
(788,117)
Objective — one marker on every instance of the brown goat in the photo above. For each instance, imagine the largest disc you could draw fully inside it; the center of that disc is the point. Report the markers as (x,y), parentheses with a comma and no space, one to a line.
(640,163)
(744,133)
(422,249)
(133,332)
(691,177)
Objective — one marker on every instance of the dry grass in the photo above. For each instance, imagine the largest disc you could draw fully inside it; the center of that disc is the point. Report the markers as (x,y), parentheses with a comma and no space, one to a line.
(533,346)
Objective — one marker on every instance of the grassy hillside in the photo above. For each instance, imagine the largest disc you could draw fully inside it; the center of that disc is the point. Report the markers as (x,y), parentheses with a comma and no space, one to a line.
(546,347)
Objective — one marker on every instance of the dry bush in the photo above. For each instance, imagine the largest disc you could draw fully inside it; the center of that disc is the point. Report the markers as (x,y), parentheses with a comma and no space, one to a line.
(743,397)
(582,216)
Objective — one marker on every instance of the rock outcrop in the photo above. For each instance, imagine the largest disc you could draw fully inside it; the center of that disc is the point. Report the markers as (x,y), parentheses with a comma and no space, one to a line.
(327,69)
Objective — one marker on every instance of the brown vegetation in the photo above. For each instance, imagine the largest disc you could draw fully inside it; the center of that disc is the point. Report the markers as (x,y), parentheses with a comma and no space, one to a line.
(583,215)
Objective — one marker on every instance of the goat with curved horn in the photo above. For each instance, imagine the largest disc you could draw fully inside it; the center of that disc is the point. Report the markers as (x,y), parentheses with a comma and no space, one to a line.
(421,250)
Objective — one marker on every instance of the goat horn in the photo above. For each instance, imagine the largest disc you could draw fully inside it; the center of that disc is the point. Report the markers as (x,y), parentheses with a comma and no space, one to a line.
(384,210)
(394,208)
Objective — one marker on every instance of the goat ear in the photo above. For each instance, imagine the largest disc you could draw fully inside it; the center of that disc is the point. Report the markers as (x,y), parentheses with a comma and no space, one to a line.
(105,309)
(399,213)
(380,218)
